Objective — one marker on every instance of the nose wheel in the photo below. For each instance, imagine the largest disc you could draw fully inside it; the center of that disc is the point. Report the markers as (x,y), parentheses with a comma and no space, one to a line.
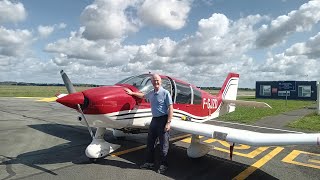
(100,148)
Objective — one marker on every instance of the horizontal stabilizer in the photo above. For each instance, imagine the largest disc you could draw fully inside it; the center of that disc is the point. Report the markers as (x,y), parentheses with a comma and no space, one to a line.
(247,103)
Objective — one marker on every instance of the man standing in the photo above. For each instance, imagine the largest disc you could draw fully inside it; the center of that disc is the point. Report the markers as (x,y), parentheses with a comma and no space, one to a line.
(162,111)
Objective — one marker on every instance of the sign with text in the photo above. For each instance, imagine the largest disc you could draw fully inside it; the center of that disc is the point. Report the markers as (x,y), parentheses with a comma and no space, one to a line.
(287,86)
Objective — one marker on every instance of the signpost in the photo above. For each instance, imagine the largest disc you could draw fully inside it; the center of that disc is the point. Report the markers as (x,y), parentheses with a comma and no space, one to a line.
(287,86)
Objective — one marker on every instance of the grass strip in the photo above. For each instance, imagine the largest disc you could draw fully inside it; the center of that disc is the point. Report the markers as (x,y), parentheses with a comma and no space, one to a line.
(250,115)
(310,122)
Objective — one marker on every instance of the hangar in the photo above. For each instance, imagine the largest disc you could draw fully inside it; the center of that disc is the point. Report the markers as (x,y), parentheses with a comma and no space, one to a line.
(302,90)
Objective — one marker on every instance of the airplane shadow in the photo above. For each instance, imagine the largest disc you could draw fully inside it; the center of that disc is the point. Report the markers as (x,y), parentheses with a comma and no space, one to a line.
(77,137)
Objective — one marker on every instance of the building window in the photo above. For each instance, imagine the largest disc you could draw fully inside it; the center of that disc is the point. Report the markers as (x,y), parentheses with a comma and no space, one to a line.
(283,93)
(304,91)
(265,90)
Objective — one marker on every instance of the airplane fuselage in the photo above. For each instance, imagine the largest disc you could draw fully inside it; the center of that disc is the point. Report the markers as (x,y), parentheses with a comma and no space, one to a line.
(112,107)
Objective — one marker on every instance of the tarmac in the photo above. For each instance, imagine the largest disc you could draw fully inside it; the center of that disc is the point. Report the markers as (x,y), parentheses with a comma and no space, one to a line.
(43,140)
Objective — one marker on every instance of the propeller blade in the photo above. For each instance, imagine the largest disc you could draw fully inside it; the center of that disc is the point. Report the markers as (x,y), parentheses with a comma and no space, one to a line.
(67,82)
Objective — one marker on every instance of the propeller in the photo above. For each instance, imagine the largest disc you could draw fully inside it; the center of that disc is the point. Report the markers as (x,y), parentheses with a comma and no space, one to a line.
(67,82)
(71,90)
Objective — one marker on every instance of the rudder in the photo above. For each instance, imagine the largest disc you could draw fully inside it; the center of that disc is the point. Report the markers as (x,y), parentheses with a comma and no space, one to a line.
(229,91)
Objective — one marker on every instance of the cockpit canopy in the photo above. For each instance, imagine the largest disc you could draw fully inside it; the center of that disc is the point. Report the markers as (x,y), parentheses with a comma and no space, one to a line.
(182,93)
(144,84)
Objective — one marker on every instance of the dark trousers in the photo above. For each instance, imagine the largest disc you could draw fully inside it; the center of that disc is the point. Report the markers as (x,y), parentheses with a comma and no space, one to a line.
(156,130)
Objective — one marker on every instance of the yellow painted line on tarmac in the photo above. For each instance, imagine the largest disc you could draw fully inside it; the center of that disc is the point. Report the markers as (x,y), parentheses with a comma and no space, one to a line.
(314,161)
(251,155)
(295,153)
(50,99)
(244,174)
(188,140)
(128,151)
(40,99)
(226,144)
(143,146)
(27,97)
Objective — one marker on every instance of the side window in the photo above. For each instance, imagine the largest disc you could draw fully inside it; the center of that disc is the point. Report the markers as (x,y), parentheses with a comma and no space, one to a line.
(166,84)
(197,99)
(147,86)
(183,94)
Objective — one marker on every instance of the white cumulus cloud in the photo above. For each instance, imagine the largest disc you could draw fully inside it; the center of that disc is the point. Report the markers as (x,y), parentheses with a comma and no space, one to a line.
(310,48)
(11,12)
(106,19)
(168,13)
(45,31)
(14,42)
(296,21)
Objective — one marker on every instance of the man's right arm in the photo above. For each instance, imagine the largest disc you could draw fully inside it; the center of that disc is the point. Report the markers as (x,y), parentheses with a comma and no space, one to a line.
(137,94)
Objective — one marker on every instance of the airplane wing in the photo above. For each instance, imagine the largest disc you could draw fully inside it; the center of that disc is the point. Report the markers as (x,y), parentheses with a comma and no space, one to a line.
(233,135)
(247,103)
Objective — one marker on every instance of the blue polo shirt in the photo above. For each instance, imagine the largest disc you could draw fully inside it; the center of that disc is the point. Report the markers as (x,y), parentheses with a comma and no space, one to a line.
(159,101)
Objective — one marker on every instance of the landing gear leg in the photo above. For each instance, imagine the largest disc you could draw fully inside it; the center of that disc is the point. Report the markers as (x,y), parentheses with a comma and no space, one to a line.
(99,148)
(196,149)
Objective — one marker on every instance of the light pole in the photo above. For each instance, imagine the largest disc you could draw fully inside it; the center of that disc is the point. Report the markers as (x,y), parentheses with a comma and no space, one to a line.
(318,98)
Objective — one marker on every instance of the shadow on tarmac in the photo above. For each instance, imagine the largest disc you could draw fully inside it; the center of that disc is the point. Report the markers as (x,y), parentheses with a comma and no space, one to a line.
(180,165)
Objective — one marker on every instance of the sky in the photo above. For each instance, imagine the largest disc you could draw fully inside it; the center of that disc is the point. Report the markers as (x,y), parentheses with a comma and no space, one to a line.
(197,41)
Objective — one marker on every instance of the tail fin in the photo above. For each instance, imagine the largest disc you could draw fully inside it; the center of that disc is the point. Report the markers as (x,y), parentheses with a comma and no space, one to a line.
(229,88)
(229,91)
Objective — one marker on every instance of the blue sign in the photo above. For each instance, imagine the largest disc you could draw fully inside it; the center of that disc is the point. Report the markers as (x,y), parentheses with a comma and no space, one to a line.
(287,86)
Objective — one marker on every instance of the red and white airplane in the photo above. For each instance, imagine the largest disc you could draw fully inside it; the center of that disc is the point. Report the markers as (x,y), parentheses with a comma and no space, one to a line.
(111,107)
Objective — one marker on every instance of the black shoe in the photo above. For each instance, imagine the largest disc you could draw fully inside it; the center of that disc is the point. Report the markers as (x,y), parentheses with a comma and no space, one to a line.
(147,166)
(162,169)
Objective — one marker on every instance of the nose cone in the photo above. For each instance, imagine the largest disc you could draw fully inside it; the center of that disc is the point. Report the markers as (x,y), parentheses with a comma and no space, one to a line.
(72,100)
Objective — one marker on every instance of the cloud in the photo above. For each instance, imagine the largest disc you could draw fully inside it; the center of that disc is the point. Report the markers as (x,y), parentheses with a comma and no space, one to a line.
(14,42)
(218,40)
(107,20)
(288,67)
(79,48)
(92,53)
(219,45)
(167,13)
(45,31)
(311,48)
(11,12)
(285,25)
(62,26)
(216,26)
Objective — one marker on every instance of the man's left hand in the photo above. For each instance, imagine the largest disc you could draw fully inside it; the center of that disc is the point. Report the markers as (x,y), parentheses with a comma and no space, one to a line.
(167,127)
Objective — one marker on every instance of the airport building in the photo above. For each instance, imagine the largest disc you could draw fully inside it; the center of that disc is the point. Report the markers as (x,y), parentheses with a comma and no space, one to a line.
(302,90)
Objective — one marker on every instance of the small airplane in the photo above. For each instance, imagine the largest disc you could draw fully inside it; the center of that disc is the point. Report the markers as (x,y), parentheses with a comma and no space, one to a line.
(111,107)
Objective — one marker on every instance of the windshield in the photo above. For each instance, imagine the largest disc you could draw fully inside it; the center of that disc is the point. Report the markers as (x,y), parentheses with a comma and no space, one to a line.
(142,82)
